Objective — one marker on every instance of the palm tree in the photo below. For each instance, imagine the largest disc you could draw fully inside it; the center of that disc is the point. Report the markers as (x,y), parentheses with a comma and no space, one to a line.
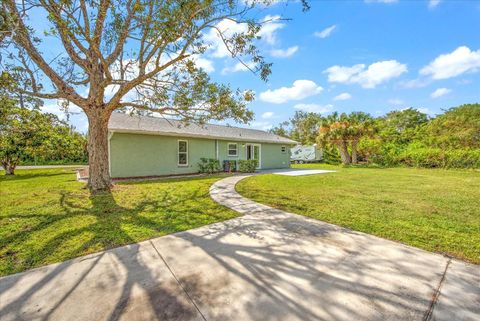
(360,125)
(345,131)
(334,129)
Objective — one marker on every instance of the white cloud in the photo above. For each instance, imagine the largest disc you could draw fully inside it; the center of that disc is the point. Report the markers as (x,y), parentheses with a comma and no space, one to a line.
(415,83)
(425,111)
(396,101)
(284,53)
(314,108)
(227,27)
(343,96)
(268,114)
(238,67)
(440,92)
(376,73)
(299,90)
(263,125)
(268,30)
(343,74)
(450,65)
(205,64)
(76,116)
(55,108)
(433,3)
(325,32)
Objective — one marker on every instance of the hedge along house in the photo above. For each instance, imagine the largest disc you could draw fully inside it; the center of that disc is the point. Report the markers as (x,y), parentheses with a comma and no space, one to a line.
(150,146)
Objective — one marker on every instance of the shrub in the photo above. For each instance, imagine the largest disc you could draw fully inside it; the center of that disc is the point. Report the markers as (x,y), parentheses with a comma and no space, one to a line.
(247,166)
(437,157)
(208,165)
(463,158)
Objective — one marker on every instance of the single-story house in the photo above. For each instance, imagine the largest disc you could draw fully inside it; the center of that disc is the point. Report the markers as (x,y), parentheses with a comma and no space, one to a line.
(151,146)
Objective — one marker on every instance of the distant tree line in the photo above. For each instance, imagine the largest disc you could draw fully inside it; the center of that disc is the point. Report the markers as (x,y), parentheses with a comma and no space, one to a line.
(28,136)
(405,137)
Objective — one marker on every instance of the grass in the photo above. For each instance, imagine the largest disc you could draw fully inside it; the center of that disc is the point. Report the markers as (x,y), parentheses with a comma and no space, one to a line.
(436,210)
(47,216)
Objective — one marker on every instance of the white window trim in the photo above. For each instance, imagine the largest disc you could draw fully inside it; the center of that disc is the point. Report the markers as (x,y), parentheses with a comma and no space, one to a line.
(259,153)
(178,152)
(228,150)
(281,149)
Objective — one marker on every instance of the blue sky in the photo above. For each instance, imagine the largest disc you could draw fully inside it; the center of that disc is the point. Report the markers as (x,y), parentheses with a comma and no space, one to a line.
(373,56)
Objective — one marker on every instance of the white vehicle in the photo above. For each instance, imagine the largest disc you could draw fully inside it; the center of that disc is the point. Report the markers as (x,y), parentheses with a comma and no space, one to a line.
(305,154)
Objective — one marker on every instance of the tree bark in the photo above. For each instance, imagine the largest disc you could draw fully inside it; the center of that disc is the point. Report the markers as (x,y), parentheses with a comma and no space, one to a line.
(344,155)
(354,152)
(99,172)
(9,166)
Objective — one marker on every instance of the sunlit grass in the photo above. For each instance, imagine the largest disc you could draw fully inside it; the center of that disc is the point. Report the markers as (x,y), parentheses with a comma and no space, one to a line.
(437,210)
(47,216)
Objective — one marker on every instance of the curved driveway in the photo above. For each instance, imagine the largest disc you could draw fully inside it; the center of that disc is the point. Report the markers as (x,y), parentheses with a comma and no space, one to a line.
(264,265)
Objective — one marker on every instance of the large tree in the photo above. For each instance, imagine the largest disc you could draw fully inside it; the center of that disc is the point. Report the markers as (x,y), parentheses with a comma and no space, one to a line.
(345,131)
(140,54)
(305,127)
(27,132)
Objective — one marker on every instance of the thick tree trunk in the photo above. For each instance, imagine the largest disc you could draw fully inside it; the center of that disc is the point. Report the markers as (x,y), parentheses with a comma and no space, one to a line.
(344,155)
(354,152)
(98,167)
(9,166)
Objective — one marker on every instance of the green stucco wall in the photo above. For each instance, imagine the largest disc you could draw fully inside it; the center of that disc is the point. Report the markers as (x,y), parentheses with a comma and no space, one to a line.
(272,156)
(151,155)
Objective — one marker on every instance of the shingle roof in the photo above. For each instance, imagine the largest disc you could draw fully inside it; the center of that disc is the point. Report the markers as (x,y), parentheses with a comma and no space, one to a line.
(120,122)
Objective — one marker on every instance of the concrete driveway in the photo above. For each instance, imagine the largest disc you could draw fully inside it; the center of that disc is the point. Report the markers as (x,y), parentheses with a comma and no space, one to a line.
(264,265)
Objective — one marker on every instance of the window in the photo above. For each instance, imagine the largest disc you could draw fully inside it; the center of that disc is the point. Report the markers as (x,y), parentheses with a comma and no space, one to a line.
(182,153)
(284,149)
(232,149)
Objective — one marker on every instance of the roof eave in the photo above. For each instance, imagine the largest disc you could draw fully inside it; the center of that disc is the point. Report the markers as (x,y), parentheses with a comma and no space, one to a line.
(147,132)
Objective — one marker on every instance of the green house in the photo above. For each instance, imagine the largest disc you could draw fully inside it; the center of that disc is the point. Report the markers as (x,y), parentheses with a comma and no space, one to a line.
(151,146)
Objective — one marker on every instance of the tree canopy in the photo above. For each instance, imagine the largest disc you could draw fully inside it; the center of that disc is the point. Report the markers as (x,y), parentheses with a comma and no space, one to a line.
(401,137)
(28,135)
(135,55)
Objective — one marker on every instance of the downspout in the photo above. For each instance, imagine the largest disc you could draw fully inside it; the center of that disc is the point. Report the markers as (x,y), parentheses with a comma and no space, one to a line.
(110,134)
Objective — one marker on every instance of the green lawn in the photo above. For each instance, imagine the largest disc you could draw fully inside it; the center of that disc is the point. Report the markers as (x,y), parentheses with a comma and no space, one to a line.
(46,216)
(437,210)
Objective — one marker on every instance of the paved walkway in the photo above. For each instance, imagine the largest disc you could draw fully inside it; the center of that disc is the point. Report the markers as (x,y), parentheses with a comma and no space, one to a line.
(265,265)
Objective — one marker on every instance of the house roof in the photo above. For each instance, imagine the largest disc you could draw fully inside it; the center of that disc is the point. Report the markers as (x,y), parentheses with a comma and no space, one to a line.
(120,122)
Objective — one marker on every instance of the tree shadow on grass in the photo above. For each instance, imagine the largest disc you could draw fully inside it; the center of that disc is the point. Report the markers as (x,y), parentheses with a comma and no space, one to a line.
(40,174)
(139,284)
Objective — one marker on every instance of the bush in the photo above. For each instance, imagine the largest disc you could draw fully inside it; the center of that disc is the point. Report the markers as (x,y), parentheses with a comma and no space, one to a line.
(247,166)
(463,158)
(439,158)
(209,165)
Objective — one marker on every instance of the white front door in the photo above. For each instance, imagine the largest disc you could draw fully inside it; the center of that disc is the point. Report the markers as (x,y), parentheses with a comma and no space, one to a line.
(253,152)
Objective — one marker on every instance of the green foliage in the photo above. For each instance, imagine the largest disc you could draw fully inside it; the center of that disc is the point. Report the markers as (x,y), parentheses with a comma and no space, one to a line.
(432,157)
(29,136)
(407,137)
(247,166)
(305,127)
(345,131)
(209,165)
(281,129)
(457,128)
(410,138)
